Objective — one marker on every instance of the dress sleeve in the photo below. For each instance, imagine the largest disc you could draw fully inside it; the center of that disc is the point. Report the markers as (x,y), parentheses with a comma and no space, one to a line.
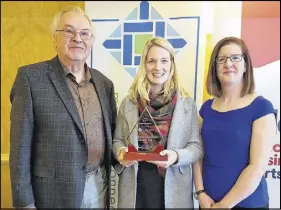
(263,107)
(204,106)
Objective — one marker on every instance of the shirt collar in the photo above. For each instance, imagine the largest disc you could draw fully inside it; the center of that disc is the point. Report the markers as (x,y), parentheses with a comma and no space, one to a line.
(67,72)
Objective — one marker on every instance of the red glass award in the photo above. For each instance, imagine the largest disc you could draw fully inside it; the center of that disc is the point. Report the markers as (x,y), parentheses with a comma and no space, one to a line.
(149,137)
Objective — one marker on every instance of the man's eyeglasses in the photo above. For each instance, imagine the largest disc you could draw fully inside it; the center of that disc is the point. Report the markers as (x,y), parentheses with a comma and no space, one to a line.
(233,58)
(85,35)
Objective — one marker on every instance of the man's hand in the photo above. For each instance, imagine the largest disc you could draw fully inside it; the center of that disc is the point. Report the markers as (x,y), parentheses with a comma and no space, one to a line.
(31,206)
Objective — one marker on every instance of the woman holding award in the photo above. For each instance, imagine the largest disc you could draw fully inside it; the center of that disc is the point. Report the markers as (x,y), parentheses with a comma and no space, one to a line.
(156,113)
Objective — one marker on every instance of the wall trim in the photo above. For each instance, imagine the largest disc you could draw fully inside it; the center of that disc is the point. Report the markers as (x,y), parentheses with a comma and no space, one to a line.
(4,158)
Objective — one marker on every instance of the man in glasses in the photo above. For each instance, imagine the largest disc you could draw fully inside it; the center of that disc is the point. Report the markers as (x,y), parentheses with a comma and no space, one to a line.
(62,122)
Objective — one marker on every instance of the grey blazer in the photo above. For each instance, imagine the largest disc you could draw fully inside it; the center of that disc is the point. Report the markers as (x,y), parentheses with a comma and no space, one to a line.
(48,151)
(183,138)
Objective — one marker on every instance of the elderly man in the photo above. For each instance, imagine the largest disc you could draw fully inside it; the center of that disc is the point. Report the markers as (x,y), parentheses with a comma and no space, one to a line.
(62,122)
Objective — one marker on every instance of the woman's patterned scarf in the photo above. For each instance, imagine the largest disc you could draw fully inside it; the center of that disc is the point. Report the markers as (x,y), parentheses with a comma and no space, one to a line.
(161,109)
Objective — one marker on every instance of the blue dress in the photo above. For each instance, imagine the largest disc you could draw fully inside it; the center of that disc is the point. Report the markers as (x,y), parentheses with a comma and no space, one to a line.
(227,137)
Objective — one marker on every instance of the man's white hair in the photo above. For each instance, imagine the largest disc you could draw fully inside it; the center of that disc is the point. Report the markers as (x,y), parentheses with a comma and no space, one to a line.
(57,17)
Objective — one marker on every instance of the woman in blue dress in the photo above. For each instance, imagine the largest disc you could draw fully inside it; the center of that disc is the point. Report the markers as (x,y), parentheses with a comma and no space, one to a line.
(237,128)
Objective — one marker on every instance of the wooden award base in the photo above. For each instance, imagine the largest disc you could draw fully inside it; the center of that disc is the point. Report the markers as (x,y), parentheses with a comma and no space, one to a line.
(133,154)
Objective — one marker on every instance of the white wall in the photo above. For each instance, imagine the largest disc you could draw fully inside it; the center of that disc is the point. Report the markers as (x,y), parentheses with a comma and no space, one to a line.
(227,19)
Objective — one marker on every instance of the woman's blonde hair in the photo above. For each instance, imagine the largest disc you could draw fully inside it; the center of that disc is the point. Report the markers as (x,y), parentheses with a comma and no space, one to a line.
(141,85)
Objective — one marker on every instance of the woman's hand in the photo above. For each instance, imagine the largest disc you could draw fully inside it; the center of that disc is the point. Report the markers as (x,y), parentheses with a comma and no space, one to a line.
(220,205)
(172,158)
(123,162)
(205,201)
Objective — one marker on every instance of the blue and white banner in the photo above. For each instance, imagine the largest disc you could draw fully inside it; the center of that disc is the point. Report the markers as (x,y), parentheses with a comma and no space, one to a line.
(122,29)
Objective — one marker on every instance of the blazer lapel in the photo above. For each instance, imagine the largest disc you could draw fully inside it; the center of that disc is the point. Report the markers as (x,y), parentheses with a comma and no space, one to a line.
(57,77)
(132,116)
(177,124)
